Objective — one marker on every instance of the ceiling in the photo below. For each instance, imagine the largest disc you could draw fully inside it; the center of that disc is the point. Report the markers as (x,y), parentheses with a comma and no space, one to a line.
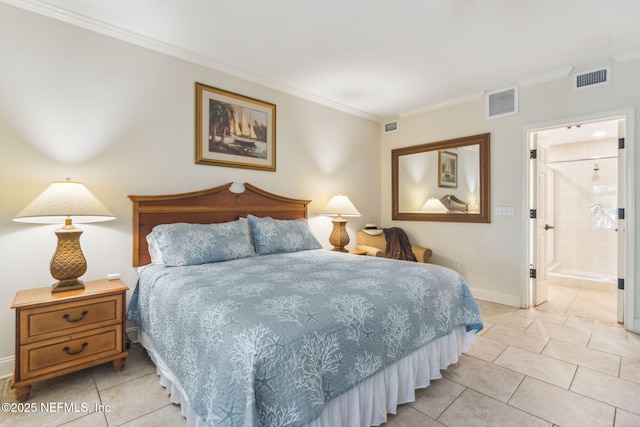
(373,58)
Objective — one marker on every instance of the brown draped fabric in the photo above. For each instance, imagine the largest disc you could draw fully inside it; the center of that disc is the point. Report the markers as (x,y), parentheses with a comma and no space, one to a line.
(398,245)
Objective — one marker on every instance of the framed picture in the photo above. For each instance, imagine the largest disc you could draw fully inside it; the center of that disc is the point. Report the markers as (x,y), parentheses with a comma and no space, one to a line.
(448,169)
(234,130)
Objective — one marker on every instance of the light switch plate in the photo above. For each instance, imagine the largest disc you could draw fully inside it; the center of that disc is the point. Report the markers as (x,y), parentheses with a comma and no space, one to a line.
(504,211)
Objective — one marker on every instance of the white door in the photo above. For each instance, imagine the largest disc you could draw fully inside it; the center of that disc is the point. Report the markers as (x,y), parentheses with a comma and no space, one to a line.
(622,223)
(543,230)
(535,289)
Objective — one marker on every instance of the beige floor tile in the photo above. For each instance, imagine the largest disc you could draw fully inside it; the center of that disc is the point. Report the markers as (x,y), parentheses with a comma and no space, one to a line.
(494,381)
(136,365)
(559,332)
(406,416)
(595,304)
(167,416)
(434,399)
(476,409)
(134,398)
(606,388)
(630,370)
(544,316)
(486,349)
(605,316)
(488,309)
(579,355)
(535,365)
(55,401)
(594,326)
(626,419)
(560,406)
(485,327)
(621,347)
(517,338)
(511,320)
(557,308)
(95,419)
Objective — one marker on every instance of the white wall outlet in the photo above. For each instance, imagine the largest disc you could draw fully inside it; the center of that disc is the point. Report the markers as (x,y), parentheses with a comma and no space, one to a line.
(456,264)
(504,211)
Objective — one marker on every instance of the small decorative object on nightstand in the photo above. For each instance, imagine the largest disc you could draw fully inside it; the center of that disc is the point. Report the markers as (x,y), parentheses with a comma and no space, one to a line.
(68,331)
(340,206)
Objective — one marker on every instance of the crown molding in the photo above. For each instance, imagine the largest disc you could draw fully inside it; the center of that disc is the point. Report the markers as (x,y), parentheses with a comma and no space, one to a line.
(103,28)
(445,104)
(546,77)
(627,56)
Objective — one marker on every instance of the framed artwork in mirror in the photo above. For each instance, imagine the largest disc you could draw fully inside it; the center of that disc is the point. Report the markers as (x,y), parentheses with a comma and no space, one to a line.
(447,169)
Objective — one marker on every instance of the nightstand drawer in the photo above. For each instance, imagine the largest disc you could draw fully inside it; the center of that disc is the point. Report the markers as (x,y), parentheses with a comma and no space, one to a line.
(55,354)
(63,319)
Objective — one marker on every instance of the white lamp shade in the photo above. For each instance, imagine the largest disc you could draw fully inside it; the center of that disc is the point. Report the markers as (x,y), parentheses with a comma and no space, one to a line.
(340,206)
(434,205)
(62,200)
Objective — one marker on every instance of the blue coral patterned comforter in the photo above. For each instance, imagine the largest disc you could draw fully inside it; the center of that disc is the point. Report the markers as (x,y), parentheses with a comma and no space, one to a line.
(268,340)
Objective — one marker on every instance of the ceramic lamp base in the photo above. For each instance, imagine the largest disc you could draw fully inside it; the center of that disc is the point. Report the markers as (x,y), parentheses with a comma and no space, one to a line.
(339,237)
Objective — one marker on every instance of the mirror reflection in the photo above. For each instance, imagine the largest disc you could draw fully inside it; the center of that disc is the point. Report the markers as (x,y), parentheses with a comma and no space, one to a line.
(442,181)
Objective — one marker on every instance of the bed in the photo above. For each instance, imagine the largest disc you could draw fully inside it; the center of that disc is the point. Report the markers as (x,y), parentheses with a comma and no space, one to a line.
(250,322)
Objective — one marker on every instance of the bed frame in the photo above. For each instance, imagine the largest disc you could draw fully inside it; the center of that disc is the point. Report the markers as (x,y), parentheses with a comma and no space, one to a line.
(454,204)
(213,205)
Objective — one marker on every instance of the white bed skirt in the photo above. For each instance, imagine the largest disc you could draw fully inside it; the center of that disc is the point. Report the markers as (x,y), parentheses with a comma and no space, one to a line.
(368,403)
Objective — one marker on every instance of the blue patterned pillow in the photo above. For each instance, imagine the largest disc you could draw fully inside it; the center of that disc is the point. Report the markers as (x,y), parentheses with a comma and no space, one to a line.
(192,244)
(276,236)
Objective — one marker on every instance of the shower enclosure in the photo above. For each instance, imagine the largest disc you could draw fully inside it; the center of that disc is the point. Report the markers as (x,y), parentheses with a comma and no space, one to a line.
(582,189)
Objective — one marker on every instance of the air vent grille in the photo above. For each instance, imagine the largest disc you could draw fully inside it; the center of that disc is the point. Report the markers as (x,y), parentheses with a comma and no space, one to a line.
(592,78)
(502,103)
(391,126)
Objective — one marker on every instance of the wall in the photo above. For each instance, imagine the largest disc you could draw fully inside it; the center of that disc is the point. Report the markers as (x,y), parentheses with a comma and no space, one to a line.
(120,119)
(492,256)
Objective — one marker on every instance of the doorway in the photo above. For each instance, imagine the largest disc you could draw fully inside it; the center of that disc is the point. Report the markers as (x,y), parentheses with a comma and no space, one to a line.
(575,188)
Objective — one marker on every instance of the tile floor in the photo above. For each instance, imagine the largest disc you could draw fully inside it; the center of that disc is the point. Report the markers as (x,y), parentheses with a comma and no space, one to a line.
(565,363)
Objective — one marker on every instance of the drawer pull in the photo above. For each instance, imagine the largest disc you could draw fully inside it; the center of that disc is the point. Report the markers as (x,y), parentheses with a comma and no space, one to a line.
(66,317)
(71,353)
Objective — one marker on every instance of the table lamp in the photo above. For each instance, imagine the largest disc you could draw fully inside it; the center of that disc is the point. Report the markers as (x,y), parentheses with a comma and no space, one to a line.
(340,206)
(66,202)
(434,205)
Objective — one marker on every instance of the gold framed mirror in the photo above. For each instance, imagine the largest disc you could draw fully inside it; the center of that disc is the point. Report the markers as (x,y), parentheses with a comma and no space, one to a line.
(447,181)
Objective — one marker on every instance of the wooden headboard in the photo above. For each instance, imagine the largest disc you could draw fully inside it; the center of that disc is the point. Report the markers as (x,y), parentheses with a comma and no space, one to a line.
(214,205)
(454,204)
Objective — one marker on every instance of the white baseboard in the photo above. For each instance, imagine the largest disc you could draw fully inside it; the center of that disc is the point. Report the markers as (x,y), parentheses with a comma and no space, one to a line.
(6,366)
(510,300)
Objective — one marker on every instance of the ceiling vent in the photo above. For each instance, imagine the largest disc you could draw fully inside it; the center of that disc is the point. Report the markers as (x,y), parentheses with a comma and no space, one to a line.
(503,102)
(599,77)
(391,126)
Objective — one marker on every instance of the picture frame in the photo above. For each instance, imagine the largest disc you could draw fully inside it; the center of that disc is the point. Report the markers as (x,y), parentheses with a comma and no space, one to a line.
(447,169)
(234,130)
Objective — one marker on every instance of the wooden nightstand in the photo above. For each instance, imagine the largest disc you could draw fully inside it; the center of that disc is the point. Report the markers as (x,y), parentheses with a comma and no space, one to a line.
(68,331)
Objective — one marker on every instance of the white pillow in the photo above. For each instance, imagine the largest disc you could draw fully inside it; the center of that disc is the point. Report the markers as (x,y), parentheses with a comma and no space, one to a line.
(154,249)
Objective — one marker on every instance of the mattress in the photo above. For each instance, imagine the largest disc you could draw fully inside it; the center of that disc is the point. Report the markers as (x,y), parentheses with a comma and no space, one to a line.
(305,338)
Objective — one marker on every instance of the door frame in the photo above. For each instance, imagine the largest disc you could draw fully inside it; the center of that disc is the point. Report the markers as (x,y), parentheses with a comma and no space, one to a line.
(629,222)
